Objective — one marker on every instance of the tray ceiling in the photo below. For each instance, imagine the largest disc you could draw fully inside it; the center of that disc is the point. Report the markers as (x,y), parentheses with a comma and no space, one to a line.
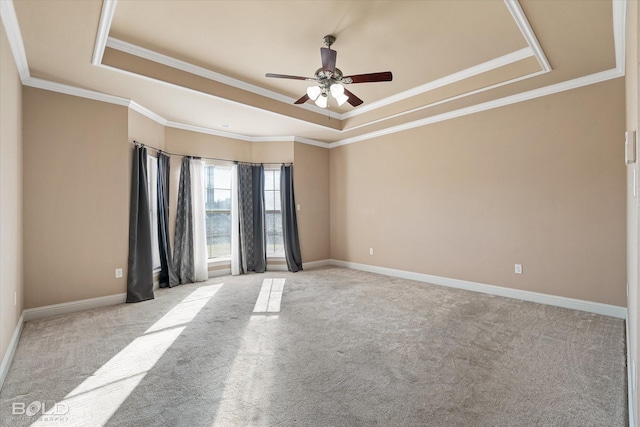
(201,64)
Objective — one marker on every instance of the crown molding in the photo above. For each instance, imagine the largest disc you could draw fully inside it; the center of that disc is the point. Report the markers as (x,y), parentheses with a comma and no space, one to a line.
(444,81)
(443,101)
(159,58)
(106,18)
(10,22)
(257,139)
(527,32)
(207,131)
(619,32)
(75,91)
(308,141)
(534,49)
(148,113)
(11,27)
(520,97)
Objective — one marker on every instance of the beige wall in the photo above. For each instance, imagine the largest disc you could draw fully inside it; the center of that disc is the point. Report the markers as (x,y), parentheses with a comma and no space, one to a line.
(77,168)
(633,239)
(272,152)
(11,277)
(311,187)
(538,183)
(145,131)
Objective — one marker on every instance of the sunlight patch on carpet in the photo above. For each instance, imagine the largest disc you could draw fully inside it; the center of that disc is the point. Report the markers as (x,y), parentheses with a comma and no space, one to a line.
(98,397)
(270,296)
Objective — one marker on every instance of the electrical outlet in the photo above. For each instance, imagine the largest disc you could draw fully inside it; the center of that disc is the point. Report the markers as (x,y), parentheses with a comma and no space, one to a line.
(518,269)
(298,207)
(370,251)
(118,273)
(15,298)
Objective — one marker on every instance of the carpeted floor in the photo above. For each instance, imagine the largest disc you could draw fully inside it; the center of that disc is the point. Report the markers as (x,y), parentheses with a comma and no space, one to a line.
(347,349)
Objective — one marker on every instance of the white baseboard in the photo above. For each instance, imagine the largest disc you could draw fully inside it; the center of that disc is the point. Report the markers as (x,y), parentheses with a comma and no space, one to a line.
(316,264)
(557,301)
(72,307)
(8,355)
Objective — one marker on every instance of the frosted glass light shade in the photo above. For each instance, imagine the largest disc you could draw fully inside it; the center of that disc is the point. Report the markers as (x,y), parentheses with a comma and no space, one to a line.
(322,101)
(313,92)
(342,99)
(337,90)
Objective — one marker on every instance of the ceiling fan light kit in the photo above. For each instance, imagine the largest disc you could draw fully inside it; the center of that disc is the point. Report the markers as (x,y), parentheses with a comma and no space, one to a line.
(330,79)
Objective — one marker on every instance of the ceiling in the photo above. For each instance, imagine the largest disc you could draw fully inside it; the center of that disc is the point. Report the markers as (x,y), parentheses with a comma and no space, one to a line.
(201,65)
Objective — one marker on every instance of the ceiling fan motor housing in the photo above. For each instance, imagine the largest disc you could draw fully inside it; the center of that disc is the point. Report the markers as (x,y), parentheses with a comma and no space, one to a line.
(329,40)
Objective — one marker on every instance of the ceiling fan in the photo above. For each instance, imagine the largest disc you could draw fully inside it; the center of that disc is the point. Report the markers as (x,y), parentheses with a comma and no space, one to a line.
(330,80)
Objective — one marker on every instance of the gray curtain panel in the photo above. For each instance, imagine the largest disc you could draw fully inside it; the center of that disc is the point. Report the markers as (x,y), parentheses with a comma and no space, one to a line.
(140,263)
(253,245)
(168,277)
(183,260)
(289,220)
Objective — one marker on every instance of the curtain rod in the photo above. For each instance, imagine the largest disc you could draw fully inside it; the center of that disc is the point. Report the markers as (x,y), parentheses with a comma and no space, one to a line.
(140,144)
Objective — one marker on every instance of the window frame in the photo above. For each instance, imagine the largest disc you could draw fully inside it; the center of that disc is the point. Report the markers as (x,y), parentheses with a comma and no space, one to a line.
(224,257)
(277,202)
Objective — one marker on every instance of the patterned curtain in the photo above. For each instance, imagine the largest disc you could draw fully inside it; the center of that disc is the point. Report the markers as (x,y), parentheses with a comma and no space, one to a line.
(140,263)
(253,249)
(168,276)
(289,220)
(183,252)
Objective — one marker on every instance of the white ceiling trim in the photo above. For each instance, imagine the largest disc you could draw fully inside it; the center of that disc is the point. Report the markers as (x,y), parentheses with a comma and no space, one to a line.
(446,80)
(443,101)
(11,27)
(202,72)
(534,49)
(207,131)
(489,105)
(527,32)
(619,32)
(14,36)
(231,101)
(148,113)
(214,132)
(106,18)
(75,91)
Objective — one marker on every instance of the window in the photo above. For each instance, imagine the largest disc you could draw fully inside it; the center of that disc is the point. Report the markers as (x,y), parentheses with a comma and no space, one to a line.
(273,213)
(152,190)
(218,210)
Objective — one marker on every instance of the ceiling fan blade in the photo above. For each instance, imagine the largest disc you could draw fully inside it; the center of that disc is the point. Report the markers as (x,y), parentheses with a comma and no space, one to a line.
(353,100)
(302,100)
(385,76)
(328,59)
(284,76)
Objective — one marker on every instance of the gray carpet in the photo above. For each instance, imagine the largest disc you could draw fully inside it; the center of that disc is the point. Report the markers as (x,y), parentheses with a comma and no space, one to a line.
(347,349)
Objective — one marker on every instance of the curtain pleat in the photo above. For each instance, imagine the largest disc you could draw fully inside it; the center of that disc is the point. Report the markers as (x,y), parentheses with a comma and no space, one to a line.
(289,220)
(253,250)
(201,272)
(183,260)
(168,276)
(140,262)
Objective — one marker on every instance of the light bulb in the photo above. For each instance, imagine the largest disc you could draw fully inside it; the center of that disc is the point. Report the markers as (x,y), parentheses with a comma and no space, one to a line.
(342,99)
(313,92)
(337,90)
(322,101)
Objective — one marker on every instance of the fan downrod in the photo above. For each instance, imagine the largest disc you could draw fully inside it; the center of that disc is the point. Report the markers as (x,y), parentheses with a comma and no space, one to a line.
(329,40)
